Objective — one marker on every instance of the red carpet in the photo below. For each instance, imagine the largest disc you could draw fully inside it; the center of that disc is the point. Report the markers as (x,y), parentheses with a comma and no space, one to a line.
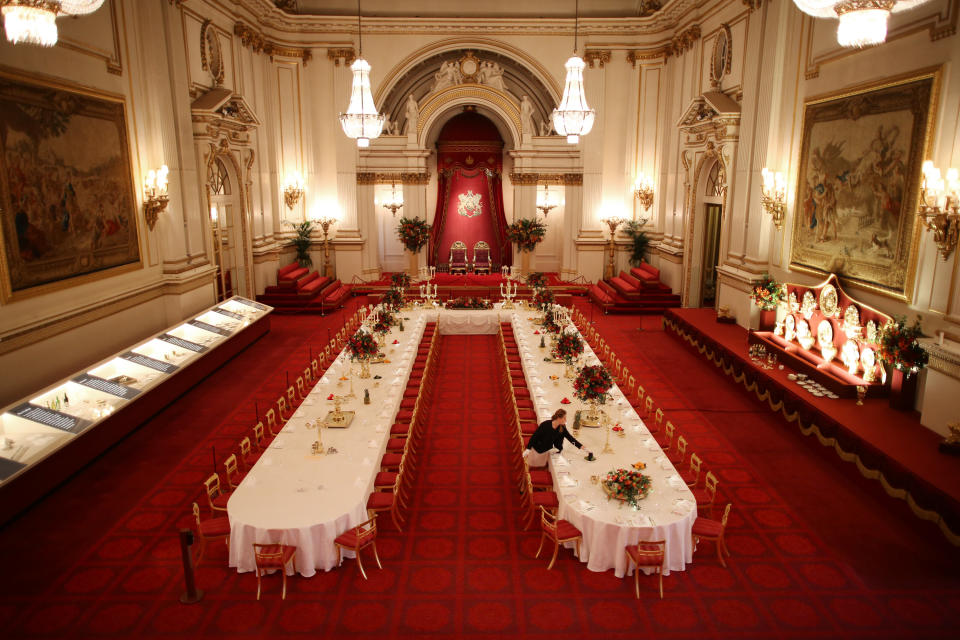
(816,552)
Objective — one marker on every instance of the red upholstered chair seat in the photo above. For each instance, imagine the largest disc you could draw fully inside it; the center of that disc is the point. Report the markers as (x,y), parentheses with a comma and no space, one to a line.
(566,530)
(652,555)
(396,444)
(546,499)
(528,428)
(408,403)
(380,500)
(221,500)
(215,527)
(521,392)
(706,527)
(399,429)
(347,539)
(391,460)
(541,478)
(516,366)
(525,403)
(385,479)
(701,496)
(411,392)
(404,416)
(276,559)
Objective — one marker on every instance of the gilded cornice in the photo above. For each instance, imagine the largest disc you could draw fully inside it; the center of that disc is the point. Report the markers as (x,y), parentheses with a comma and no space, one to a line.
(644,55)
(256,42)
(403,177)
(601,56)
(683,41)
(753,5)
(571,179)
(336,54)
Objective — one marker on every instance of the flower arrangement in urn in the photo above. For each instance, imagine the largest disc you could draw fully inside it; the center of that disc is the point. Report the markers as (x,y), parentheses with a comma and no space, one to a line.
(414,233)
(361,346)
(569,347)
(550,324)
(537,280)
(527,233)
(543,298)
(767,293)
(400,280)
(627,485)
(392,299)
(468,303)
(899,347)
(592,384)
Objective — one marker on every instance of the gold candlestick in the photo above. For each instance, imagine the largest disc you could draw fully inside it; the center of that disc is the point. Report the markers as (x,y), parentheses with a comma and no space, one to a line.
(606,423)
(861,392)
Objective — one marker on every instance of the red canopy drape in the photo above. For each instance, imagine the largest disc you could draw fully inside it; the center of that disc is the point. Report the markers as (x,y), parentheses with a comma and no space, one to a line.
(470,162)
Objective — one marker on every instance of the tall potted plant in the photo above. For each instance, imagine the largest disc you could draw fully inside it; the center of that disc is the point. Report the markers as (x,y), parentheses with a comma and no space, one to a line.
(901,351)
(301,241)
(526,233)
(414,233)
(634,229)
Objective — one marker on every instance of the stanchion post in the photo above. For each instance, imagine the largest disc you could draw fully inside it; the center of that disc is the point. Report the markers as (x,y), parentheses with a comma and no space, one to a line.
(192,595)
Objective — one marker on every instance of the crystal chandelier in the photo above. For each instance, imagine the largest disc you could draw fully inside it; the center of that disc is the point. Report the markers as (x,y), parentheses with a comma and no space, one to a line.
(862,22)
(361,121)
(35,21)
(395,202)
(573,117)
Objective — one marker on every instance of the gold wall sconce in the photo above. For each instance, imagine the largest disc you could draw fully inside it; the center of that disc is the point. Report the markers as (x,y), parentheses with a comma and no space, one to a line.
(773,195)
(643,191)
(939,208)
(155,197)
(293,189)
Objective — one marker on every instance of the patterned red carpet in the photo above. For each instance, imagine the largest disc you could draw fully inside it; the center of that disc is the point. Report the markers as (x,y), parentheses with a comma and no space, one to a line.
(817,553)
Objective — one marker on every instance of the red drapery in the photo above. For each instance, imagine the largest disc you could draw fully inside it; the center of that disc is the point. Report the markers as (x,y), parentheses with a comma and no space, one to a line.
(468,168)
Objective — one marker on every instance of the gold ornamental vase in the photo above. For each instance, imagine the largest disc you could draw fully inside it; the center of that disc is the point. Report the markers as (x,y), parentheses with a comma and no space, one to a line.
(364,369)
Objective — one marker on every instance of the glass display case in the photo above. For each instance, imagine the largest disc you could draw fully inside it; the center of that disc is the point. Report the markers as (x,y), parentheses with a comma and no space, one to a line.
(34,428)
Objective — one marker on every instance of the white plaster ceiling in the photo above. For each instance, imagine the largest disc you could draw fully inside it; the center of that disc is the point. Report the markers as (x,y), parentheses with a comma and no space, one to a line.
(473,9)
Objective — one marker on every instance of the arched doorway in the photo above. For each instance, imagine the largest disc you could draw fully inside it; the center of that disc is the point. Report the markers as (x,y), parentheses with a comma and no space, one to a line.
(469,209)
(712,203)
(228,232)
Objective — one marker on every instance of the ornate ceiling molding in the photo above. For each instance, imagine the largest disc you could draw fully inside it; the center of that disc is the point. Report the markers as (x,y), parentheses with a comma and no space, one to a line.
(646,55)
(256,42)
(269,16)
(753,5)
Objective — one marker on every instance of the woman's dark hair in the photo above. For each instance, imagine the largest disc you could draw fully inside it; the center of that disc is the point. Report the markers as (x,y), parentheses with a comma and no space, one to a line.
(559,413)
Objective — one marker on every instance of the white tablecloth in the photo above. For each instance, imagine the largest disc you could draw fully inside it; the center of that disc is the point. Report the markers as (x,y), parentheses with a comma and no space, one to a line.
(293,497)
(608,525)
(465,321)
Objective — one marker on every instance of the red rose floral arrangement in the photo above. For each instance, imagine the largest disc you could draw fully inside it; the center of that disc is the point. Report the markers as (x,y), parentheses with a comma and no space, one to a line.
(361,346)
(592,383)
(392,299)
(899,347)
(569,347)
(383,323)
(543,298)
(767,293)
(537,280)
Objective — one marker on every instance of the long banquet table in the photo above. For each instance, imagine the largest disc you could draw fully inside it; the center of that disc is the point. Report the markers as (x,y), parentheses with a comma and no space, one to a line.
(608,526)
(295,498)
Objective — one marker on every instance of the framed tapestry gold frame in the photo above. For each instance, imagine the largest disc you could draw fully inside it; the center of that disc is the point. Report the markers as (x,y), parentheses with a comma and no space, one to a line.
(70,95)
(862,178)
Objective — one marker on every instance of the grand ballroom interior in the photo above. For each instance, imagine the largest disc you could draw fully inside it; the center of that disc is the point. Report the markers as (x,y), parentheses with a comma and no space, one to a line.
(292,293)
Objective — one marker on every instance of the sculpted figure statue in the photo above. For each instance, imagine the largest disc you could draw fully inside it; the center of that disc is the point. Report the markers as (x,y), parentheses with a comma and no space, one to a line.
(447,76)
(526,116)
(491,74)
(413,113)
(546,127)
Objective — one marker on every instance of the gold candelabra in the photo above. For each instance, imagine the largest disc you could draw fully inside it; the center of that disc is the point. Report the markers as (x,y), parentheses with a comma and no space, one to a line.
(325,224)
(605,419)
(612,222)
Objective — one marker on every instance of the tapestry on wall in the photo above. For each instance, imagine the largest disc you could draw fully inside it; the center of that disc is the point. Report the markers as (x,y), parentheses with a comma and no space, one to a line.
(66,191)
(858,182)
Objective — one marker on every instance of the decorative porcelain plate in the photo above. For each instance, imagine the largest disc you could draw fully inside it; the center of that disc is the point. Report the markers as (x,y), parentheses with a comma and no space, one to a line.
(809,304)
(850,355)
(825,334)
(794,304)
(828,300)
(867,358)
(851,317)
(871,331)
(803,329)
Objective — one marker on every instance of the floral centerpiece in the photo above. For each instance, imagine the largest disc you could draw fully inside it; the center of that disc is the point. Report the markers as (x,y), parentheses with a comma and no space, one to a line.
(899,347)
(362,347)
(550,324)
(527,233)
(383,323)
(543,298)
(400,280)
(468,303)
(392,299)
(591,385)
(767,293)
(569,347)
(627,485)
(537,280)
(414,233)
